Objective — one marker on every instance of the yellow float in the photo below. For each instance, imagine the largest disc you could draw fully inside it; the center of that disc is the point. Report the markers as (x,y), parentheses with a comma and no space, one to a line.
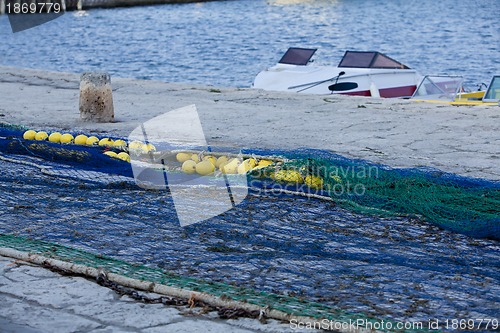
(55,137)
(205,168)
(106,142)
(231,167)
(189,166)
(41,136)
(288,176)
(123,156)
(66,138)
(81,139)
(111,154)
(92,140)
(29,135)
(182,157)
(313,181)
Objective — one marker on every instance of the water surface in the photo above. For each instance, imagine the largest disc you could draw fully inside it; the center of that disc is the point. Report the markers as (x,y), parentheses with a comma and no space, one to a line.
(226,43)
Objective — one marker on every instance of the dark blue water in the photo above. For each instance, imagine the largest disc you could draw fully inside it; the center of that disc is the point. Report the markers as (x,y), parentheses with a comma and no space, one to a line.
(227,43)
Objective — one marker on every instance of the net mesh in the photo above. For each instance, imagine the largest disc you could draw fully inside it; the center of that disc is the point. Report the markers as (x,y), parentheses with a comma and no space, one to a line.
(275,244)
(464,205)
(89,158)
(283,303)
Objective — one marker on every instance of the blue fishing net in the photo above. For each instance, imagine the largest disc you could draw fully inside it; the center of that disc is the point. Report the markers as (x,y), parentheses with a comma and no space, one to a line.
(384,264)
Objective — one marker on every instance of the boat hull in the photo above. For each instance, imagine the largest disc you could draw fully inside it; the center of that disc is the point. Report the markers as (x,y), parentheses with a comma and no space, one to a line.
(317,80)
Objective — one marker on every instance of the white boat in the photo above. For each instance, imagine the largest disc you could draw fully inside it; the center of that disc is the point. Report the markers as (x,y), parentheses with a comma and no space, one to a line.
(358,73)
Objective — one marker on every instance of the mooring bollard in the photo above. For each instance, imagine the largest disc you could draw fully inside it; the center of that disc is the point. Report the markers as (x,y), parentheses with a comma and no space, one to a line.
(96,98)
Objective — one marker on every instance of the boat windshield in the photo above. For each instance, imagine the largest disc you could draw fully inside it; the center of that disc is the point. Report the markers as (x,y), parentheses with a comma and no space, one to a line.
(439,87)
(297,56)
(359,59)
(493,92)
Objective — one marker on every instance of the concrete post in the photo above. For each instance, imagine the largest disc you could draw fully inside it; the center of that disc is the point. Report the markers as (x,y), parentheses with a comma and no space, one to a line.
(96,98)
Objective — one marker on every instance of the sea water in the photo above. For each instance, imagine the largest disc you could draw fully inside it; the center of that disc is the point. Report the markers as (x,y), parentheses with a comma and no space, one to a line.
(226,43)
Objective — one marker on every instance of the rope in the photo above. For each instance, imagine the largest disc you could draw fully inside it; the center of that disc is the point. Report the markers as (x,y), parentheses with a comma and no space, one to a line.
(182,293)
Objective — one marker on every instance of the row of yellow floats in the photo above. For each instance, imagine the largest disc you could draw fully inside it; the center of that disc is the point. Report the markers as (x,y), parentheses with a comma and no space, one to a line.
(134,147)
(193,163)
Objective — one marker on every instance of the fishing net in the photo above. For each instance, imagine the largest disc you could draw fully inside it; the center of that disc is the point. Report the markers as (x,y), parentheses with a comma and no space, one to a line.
(91,158)
(299,242)
(464,205)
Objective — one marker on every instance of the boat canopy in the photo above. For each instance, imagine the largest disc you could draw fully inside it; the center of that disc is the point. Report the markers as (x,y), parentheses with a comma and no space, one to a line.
(361,59)
(297,56)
